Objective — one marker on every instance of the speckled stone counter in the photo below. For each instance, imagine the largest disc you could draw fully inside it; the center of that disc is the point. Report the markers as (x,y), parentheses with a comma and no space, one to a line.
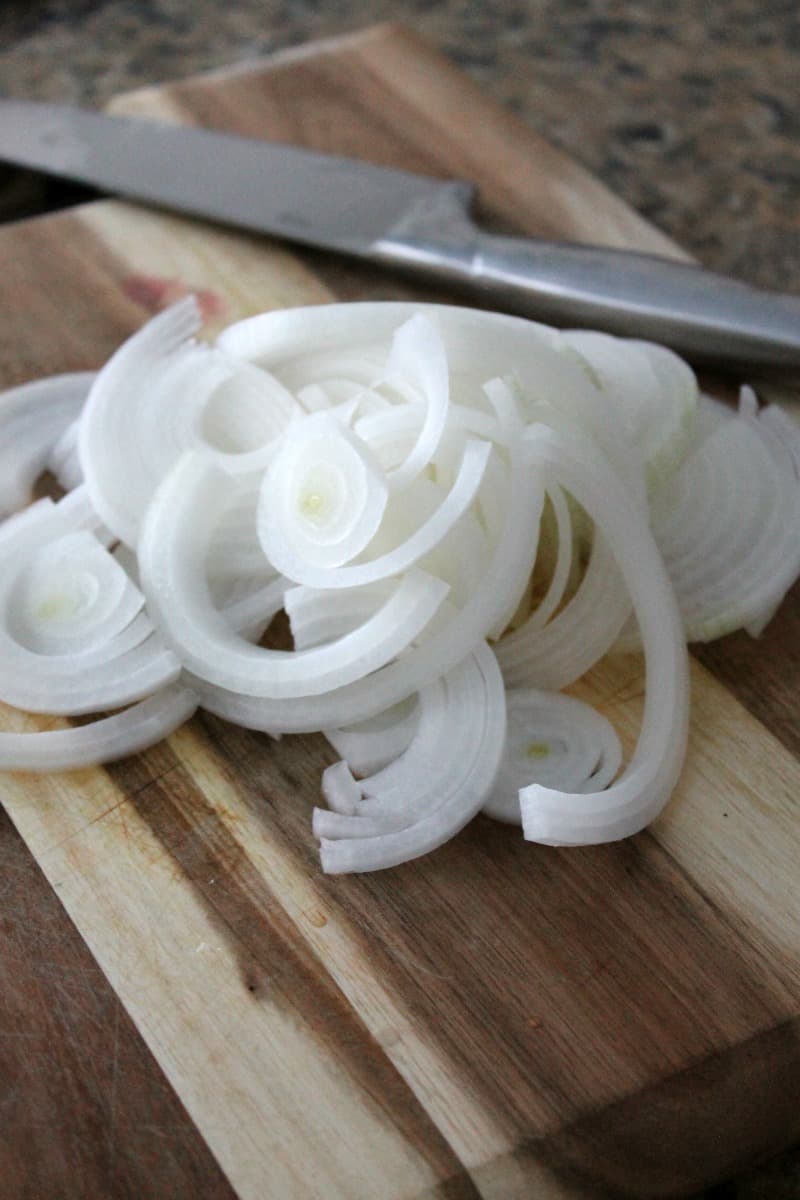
(689,111)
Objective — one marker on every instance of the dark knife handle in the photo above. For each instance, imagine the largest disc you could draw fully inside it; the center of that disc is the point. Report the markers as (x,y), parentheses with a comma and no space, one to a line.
(698,312)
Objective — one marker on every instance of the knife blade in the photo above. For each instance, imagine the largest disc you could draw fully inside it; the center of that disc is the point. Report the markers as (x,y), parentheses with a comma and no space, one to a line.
(393,217)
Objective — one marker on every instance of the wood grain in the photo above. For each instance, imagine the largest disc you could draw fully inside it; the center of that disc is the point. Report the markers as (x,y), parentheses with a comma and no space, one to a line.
(106,1121)
(498,1019)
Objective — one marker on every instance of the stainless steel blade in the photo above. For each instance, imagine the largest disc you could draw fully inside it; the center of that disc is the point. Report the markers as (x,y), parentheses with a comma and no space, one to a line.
(409,221)
(318,199)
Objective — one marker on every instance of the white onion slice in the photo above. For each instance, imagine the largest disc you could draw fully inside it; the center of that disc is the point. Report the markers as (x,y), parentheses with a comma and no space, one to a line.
(72,637)
(422,542)
(350,466)
(69,597)
(505,576)
(105,740)
(654,390)
(418,357)
(436,797)
(554,656)
(172,553)
(557,817)
(322,499)
(553,740)
(370,745)
(32,419)
(160,394)
(728,525)
(140,415)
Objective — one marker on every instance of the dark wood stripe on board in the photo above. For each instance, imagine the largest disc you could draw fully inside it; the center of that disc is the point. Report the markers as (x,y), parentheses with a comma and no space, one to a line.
(276,965)
(515,984)
(655,1144)
(86,1110)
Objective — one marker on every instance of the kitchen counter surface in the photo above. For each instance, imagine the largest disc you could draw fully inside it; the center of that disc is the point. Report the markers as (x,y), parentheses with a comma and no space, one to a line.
(688,112)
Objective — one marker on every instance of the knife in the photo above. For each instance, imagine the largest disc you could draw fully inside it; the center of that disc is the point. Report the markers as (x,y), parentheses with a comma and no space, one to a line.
(420,224)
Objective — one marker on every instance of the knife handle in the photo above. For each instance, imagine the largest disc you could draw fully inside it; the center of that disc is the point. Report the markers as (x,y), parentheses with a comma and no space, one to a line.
(698,312)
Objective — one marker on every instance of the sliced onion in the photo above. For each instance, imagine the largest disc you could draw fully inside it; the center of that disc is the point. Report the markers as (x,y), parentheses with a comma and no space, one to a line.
(322,499)
(104,740)
(353,465)
(32,419)
(171,556)
(424,799)
(728,526)
(435,655)
(423,541)
(566,647)
(654,390)
(71,596)
(557,817)
(372,744)
(159,395)
(553,740)
(72,637)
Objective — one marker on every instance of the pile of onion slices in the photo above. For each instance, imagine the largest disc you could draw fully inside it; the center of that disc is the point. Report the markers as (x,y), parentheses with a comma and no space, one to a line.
(458,513)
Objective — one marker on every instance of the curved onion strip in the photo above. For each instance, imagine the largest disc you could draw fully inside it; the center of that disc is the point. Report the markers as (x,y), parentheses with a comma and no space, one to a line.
(64,460)
(554,740)
(171,557)
(321,501)
(728,526)
(370,745)
(418,357)
(556,817)
(656,393)
(475,697)
(563,564)
(320,616)
(70,596)
(32,419)
(506,574)
(117,663)
(577,637)
(403,790)
(422,542)
(134,425)
(104,740)
(159,395)
(89,687)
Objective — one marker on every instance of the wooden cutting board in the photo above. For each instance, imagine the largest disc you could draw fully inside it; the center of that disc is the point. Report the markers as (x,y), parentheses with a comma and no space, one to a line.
(499,1019)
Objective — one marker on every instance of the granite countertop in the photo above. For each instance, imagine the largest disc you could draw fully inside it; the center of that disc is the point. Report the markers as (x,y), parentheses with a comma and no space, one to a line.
(690,112)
